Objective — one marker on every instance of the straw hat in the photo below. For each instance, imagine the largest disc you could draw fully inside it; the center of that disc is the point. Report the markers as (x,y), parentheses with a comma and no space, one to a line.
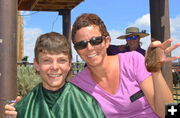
(134,31)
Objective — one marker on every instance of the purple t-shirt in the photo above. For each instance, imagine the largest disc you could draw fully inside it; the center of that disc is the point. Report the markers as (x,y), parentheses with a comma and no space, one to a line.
(119,105)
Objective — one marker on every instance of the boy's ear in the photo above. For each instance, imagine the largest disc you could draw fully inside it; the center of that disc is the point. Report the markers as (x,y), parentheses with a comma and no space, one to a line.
(36,65)
(70,64)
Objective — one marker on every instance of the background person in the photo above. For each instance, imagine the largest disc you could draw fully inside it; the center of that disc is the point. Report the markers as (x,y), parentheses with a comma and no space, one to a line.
(132,37)
(176,77)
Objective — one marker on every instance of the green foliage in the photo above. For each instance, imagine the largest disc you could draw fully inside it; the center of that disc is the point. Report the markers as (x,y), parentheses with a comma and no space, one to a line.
(26,79)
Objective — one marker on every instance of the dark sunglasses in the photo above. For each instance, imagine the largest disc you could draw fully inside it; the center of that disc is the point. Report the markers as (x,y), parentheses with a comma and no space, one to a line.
(93,41)
(131,37)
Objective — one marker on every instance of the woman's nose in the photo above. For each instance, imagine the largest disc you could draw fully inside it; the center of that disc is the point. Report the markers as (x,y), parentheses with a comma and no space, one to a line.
(89,46)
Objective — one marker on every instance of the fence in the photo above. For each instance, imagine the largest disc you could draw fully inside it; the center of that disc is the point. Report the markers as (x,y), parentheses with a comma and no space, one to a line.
(176,94)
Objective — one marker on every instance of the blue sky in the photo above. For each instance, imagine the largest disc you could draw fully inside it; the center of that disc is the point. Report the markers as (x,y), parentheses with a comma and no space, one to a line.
(116,14)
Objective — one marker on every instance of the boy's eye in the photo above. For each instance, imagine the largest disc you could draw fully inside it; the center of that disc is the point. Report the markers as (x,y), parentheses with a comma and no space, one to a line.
(62,60)
(46,60)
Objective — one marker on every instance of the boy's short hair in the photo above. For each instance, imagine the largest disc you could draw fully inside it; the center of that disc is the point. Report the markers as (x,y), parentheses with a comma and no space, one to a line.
(85,20)
(52,43)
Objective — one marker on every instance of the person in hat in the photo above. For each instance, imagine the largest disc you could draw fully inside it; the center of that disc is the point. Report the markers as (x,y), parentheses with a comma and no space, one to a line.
(132,36)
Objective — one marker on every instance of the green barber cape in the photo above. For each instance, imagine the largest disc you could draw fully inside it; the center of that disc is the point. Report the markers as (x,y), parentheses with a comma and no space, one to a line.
(69,102)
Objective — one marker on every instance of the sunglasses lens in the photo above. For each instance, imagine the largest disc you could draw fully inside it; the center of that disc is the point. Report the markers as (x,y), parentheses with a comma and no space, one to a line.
(93,41)
(134,37)
(128,38)
(80,45)
(131,38)
(96,40)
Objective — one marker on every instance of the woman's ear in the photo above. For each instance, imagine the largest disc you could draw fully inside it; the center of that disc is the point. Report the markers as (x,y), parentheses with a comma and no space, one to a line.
(36,65)
(107,40)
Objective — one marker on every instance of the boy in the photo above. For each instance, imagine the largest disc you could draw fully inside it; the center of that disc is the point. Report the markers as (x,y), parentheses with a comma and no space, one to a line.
(54,97)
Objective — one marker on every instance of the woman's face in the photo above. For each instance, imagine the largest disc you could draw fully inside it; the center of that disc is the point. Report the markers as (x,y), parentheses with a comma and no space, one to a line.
(93,55)
(133,43)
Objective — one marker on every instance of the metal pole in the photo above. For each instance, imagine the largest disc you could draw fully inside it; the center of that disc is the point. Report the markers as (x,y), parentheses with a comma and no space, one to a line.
(8,54)
(160,30)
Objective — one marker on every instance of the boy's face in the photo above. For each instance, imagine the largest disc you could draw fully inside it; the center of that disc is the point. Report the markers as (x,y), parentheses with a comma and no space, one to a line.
(53,68)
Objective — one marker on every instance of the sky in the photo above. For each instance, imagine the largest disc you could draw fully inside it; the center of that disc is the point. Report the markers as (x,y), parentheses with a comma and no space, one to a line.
(116,14)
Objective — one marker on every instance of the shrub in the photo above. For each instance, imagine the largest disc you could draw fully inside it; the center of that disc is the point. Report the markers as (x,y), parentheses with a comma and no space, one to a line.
(26,79)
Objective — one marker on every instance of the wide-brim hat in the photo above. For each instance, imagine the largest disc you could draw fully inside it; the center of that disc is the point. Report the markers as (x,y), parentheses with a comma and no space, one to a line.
(133,31)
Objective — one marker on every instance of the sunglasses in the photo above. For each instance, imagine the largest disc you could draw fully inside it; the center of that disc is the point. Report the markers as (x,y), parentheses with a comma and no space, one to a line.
(93,41)
(131,37)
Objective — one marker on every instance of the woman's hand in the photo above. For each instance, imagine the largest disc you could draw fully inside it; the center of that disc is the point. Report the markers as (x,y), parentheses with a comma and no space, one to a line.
(164,50)
(158,53)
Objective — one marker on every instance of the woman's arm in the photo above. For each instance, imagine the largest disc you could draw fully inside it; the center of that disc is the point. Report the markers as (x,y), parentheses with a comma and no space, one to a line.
(157,93)
(155,87)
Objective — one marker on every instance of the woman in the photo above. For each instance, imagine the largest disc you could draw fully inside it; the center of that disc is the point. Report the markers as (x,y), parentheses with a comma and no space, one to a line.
(120,83)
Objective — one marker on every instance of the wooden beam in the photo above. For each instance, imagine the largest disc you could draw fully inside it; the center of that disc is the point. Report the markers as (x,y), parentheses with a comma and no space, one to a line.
(32,3)
(66,15)
(58,3)
(47,6)
(20,2)
(77,1)
(160,30)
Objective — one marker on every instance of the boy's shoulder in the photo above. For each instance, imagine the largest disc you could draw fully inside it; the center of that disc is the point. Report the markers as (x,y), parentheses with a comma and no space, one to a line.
(27,98)
(73,90)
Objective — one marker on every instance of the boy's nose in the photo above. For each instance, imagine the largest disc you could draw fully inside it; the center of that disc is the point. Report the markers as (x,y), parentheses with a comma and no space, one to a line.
(55,65)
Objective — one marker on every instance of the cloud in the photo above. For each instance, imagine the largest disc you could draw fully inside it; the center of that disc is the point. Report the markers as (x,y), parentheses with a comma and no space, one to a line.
(142,22)
(114,34)
(175,33)
(30,36)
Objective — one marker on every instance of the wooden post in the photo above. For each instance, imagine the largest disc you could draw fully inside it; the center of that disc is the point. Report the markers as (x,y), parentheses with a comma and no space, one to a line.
(66,14)
(8,54)
(20,38)
(160,30)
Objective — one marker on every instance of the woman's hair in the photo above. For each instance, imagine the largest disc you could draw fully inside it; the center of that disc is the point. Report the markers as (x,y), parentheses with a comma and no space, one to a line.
(85,20)
(52,43)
